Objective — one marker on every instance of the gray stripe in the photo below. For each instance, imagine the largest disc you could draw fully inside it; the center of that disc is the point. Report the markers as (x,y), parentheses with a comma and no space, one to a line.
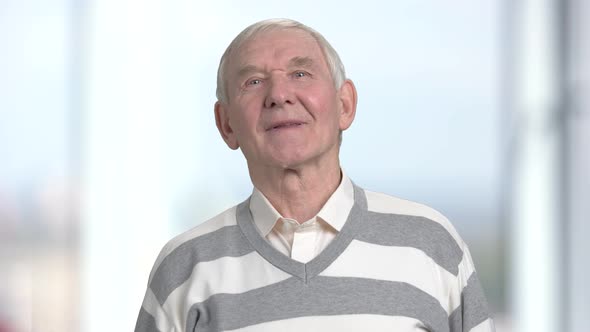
(412,231)
(177,267)
(360,198)
(321,295)
(473,309)
(145,322)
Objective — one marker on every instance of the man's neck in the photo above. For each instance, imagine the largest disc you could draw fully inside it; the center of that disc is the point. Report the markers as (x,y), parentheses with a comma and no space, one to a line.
(298,193)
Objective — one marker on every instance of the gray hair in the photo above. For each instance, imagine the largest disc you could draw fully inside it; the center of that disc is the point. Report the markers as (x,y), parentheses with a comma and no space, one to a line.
(335,65)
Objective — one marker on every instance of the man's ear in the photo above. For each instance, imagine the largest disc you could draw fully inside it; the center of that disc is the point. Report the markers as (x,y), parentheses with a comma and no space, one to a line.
(224,127)
(348,100)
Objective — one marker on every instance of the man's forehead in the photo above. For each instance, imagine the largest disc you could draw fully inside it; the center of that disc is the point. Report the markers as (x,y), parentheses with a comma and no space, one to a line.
(293,46)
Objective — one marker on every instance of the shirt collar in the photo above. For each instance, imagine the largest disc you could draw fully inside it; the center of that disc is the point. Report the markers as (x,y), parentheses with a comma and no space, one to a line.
(334,212)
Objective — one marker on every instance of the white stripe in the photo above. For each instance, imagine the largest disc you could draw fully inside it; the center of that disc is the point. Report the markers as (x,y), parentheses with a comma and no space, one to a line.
(383,203)
(340,323)
(403,264)
(226,218)
(150,305)
(230,275)
(485,326)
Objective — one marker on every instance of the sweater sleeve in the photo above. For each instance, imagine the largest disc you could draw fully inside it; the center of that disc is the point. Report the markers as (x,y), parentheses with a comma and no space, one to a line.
(152,316)
(472,313)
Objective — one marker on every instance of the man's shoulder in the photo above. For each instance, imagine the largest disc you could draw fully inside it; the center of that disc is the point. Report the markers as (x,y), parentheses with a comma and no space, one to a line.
(387,204)
(223,219)
(226,218)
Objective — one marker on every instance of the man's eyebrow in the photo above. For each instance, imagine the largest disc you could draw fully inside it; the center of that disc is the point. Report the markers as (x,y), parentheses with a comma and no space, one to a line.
(247,70)
(299,61)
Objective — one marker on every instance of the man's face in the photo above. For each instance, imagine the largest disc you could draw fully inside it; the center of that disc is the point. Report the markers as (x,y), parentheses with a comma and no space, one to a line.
(283,107)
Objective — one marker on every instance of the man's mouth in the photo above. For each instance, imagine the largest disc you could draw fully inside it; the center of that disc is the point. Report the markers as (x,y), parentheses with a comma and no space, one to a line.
(285,125)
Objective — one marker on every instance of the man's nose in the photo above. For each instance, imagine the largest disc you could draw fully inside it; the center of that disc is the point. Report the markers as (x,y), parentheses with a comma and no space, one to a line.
(279,93)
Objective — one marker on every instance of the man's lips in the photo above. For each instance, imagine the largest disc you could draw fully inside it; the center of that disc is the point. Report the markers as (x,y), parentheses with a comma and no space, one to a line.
(284,124)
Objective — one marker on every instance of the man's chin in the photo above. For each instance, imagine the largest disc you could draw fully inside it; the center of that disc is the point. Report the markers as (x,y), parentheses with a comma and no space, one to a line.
(287,158)
(288,161)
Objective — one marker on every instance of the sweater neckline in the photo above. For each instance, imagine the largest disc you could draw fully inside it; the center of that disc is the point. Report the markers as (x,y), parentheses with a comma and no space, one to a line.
(304,271)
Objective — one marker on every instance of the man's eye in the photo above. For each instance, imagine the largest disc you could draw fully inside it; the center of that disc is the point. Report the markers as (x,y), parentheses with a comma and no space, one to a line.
(253,82)
(300,74)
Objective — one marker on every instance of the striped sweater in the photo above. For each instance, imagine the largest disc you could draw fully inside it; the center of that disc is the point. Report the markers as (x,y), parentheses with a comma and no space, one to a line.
(395,266)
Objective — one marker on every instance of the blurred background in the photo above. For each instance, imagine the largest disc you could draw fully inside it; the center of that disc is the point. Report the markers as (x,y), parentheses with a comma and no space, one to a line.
(108,145)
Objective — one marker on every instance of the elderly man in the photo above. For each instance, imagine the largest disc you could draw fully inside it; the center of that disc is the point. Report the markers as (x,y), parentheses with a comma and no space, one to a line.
(309,250)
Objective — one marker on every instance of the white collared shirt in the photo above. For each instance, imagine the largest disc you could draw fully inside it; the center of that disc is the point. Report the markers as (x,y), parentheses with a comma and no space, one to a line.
(303,242)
